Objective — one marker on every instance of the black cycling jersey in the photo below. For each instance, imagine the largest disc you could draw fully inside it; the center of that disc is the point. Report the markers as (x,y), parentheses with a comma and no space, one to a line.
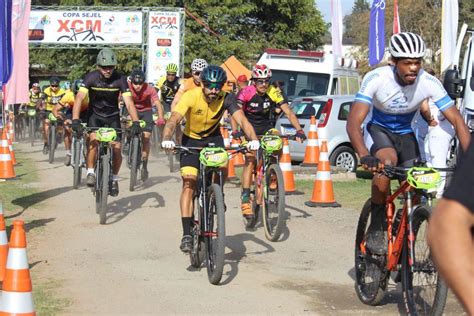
(104,93)
(168,90)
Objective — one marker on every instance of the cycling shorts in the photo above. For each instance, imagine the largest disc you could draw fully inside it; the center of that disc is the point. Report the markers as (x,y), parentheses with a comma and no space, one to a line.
(111,121)
(462,184)
(189,162)
(147,116)
(405,145)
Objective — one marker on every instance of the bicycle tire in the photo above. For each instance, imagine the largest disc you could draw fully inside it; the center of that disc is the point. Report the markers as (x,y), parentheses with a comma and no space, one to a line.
(52,142)
(196,255)
(135,152)
(215,237)
(373,292)
(32,127)
(105,188)
(98,185)
(255,207)
(416,302)
(77,164)
(273,225)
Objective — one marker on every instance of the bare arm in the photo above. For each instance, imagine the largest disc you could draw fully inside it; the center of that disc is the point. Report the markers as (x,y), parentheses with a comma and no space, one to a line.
(291,116)
(76,110)
(426,113)
(357,115)
(58,107)
(171,124)
(240,119)
(177,96)
(462,131)
(128,100)
(159,109)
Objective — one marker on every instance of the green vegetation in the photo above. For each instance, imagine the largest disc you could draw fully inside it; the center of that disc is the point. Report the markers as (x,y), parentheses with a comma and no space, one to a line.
(44,298)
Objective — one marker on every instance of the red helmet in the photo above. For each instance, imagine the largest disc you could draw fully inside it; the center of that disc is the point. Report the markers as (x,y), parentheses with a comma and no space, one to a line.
(261,72)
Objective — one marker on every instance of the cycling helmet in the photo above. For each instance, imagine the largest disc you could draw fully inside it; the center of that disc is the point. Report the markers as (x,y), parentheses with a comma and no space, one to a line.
(106,57)
(76,85)
(137,77)
(261,72)
(198,64)
(54,81)
(172,68)
(213,74)
(35,85)
(407,45)
(66,85)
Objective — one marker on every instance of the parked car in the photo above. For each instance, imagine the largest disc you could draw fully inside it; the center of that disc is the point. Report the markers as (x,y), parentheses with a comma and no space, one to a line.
(331,112)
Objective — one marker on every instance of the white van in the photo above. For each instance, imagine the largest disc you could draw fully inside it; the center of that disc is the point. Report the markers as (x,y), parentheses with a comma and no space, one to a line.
(311,73)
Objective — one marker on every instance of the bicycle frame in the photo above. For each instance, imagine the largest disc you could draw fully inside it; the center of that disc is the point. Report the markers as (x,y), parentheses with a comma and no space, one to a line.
(206,177)
(263,160)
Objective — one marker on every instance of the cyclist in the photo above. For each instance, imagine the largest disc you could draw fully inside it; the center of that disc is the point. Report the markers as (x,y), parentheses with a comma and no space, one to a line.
(394,94)
(36,100)
(188,84)
(145,97)
(104,86)
(203,109)
(167,87)
(52,95)
(258,101)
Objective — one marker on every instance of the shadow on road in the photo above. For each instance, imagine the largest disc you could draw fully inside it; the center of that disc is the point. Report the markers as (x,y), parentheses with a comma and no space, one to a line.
(36,223)
(152,181)
(238,249)
(119,209)
(26,201)
(304,214)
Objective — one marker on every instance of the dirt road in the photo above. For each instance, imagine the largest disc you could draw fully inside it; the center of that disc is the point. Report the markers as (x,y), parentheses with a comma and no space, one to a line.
(133,265)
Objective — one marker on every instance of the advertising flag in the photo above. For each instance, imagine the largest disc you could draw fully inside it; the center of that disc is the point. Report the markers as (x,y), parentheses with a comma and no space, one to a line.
(5,41)
(377,32)
(336,27)
(449,30)
(17,86)
(396,18)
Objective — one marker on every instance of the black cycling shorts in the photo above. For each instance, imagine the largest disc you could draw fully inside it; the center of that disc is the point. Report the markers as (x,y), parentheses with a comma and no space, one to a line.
(147,116)
(189,162)
(405,145)
(111,121)
(462,183)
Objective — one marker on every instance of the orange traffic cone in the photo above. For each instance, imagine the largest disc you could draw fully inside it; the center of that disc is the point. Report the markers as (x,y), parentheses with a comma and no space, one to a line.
(238,157)
(10,147)
(285,166)
(6,164)
(17,298)
(323,193)
(11,131)
(311,154)
(3,245)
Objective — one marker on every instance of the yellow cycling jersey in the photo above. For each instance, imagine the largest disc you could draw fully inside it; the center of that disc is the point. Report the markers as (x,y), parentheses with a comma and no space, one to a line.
(68,100)
(34,98)
(52,98)
(202,119)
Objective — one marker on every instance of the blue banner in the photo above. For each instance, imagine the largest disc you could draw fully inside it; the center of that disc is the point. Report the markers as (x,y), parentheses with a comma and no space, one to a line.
(377,32)
(6,56)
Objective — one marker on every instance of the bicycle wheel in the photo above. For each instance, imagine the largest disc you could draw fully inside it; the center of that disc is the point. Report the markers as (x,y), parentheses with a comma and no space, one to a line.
(105,187)
(255,207)
(98,185)
(155,139)
(134,154)
(196,255)
(52,142)
(215,234)
(424,291)
(77,163)
(273,205)
(371,279)
(32,129)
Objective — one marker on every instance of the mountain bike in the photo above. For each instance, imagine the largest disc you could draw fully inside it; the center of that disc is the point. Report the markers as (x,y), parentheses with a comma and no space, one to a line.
(78,159)
(408,254)
(268,189)
(31,113)
(134,158)
(52,136)
(20,124)
(208,232)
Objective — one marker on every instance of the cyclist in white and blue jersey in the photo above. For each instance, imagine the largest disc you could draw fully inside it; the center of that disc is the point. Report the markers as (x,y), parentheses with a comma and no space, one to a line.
(394,94)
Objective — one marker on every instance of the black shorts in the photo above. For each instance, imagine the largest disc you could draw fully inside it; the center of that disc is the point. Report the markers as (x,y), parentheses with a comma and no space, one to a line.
(405,145)
(462,184)
(95,120)
(189,163)
(147,116)
(262,129)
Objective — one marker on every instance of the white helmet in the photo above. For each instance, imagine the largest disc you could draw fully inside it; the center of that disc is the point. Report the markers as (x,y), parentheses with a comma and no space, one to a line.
(198,64)
(407,45)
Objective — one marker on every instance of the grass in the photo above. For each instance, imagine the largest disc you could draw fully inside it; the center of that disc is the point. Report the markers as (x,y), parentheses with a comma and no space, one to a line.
(16,195)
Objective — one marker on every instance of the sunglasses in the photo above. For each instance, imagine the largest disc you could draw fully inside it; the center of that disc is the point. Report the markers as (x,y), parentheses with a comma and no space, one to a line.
(261,82)
(170,74)
(213,85)
(196,73)
(54,86)
(107,67)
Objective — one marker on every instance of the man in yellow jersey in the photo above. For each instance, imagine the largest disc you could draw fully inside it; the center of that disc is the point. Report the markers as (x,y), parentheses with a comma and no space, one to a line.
(188,84)
(63,111)
(52,95)
(203,109)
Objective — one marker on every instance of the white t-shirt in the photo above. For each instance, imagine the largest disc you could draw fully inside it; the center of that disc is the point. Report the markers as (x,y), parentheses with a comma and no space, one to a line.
(393,105)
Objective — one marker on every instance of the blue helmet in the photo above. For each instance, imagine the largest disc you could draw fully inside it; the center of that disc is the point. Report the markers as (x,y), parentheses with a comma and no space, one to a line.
(66,85)
(213,74)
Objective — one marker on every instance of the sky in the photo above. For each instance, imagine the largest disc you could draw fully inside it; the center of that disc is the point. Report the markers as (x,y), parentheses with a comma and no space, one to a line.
(325,7)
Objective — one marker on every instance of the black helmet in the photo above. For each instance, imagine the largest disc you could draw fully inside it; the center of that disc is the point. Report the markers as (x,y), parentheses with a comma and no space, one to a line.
(76,85)
(54,81)
(213,74)
(106,57)
(137,77)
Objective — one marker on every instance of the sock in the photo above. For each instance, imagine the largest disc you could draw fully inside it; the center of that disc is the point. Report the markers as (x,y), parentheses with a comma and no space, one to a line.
(90,170)
(68,153)
(245,197)
(186,222)
(115,177)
